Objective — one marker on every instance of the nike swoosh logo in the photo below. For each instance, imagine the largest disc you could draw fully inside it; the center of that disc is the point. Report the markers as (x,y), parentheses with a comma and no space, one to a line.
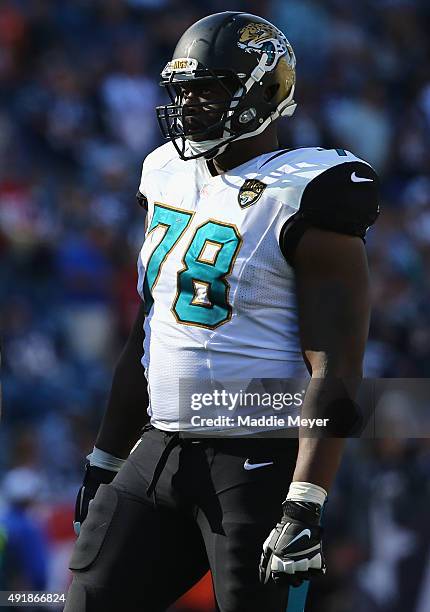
(360,179)
(254,466)
(305,532)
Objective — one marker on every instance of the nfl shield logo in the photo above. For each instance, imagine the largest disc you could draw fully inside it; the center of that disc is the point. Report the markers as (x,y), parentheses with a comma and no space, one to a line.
(250,192)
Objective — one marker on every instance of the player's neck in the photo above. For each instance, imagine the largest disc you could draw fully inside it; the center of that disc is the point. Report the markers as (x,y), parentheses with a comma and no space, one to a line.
(237,153)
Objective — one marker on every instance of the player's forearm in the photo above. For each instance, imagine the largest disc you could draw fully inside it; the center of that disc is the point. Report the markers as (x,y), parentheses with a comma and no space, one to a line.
(329,398)
(333,294)
(318,461)
(126,411)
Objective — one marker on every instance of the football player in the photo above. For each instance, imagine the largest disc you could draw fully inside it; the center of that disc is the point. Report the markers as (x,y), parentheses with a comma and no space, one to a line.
(253,267)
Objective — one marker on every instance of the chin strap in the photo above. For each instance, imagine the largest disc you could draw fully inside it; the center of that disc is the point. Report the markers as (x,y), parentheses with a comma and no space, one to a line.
(202,147)
(285,108)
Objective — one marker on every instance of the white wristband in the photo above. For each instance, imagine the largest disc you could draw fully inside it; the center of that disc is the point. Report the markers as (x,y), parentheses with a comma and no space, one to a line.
(105,460)
(307,492)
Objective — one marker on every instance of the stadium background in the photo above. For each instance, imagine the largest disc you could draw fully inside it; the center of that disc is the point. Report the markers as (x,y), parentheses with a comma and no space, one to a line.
(78,85)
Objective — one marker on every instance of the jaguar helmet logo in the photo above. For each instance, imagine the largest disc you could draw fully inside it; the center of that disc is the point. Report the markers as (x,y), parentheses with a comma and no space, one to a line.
(262,38)
(250,192)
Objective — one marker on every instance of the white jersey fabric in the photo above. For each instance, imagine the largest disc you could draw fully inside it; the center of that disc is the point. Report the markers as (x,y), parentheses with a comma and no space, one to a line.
(222,302)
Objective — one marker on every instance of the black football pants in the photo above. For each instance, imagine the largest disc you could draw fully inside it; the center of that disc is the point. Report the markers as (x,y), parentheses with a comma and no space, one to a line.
(139,553)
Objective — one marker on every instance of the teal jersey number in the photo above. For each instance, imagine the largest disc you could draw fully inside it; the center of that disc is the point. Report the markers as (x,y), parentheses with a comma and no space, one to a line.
(176,223)
(202,289)
(207,275)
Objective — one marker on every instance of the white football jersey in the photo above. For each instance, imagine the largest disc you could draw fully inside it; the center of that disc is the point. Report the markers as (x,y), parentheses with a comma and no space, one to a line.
(219,294)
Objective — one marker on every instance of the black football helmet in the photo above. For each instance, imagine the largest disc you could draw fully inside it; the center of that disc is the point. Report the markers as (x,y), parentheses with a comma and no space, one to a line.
(249,60)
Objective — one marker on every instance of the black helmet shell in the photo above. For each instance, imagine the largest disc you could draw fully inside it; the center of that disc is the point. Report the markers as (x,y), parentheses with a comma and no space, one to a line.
(247,47)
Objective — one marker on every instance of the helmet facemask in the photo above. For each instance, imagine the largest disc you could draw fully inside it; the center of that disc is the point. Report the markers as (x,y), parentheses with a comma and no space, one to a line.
(202,136)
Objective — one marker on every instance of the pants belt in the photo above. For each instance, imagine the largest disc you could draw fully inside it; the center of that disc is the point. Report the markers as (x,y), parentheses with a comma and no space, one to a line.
(176,439)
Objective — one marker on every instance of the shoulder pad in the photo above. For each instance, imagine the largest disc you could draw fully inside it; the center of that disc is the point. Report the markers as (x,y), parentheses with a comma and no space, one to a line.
(157,159)
(307,162)
(343,198)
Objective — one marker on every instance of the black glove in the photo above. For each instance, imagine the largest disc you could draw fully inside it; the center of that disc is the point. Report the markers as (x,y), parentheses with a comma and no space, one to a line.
(94,477)
(293,553)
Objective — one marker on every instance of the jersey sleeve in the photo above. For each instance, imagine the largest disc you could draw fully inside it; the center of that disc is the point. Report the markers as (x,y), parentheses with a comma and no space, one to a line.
(343,198)
(152,164)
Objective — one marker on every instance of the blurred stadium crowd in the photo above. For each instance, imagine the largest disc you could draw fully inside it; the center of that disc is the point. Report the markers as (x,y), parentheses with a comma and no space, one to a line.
(78,86)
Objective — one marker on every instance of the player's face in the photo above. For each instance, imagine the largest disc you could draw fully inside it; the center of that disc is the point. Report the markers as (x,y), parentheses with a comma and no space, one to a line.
(203,104)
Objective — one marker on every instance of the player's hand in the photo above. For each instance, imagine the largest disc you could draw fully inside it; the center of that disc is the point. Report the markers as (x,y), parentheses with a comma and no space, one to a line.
(293,552)
(94,477)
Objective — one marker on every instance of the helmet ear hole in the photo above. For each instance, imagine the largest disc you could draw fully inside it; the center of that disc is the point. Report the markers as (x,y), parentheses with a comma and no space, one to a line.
(270,92)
